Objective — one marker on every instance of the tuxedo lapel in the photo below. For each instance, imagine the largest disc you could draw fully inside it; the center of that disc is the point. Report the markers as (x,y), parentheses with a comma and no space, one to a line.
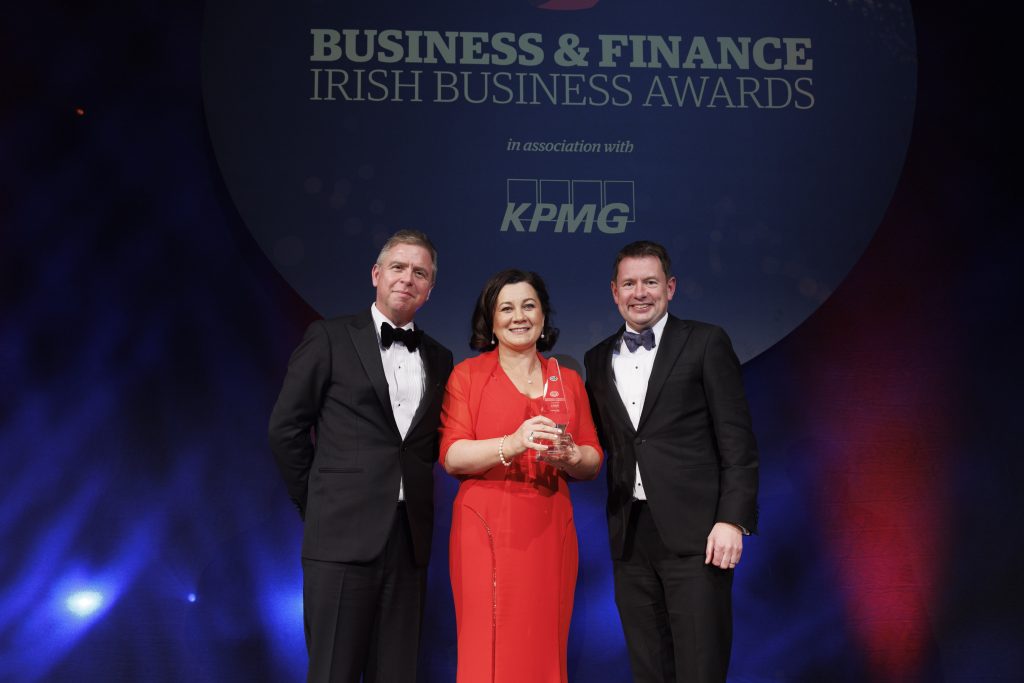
(364,338)
(611,392)
(673,339)
(430,356)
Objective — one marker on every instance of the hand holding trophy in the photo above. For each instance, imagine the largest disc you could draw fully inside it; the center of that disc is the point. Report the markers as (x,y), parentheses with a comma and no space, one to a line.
(563,451)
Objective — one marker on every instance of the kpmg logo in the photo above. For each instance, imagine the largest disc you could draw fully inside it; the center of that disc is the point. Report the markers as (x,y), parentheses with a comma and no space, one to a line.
(569,205)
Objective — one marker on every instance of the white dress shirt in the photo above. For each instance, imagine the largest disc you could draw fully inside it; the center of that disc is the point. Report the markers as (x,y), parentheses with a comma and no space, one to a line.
(404,371)
(632,372)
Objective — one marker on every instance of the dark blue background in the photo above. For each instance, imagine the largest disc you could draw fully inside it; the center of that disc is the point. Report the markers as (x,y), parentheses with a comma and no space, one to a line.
(763,210)
(144,336)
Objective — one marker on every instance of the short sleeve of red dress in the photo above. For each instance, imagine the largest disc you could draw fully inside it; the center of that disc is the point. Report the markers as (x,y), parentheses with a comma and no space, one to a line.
(456,417)
(582,422)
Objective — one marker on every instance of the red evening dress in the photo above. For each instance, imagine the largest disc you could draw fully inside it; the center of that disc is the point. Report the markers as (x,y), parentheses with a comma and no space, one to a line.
(513,549)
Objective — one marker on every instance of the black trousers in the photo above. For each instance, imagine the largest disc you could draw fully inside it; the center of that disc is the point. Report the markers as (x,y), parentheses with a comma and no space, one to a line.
(363,620)
(676,611)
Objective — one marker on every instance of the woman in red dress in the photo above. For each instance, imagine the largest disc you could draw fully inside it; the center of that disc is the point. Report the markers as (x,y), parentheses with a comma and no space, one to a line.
(513,552)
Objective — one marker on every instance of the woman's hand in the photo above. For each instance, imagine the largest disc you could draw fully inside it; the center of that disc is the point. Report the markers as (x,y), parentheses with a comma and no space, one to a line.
(562,454)
(536,433)
(579,462)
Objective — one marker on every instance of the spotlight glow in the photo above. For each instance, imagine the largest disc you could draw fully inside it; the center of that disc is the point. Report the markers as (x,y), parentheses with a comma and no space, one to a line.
(191,597)
(84,603)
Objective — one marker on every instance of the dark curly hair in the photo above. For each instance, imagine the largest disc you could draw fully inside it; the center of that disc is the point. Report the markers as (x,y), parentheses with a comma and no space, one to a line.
(483,315)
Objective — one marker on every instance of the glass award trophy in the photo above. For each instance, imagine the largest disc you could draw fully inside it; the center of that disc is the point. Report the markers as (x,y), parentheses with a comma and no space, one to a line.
(555,406)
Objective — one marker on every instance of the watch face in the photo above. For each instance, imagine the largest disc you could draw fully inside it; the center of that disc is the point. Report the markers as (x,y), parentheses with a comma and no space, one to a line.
(759,142)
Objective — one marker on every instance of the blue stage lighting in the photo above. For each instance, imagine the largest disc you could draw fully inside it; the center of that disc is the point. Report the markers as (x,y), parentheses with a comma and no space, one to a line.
(84,603)
(191,597)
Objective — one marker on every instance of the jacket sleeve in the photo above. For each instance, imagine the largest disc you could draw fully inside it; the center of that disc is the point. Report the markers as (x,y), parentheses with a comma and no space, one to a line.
(734,436)
(296,411)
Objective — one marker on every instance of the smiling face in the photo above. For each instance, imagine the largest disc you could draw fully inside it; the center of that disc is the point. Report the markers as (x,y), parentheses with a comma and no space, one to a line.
(403,278)
(518,318)
(641,291)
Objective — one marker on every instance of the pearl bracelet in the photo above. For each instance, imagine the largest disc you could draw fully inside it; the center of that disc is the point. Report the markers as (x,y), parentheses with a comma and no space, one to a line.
(501,451)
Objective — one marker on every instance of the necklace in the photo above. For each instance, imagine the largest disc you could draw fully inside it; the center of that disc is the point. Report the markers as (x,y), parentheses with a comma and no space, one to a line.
(529,373)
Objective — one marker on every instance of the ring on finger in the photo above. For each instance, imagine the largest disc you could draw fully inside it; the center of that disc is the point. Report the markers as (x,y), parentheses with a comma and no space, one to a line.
(530,437)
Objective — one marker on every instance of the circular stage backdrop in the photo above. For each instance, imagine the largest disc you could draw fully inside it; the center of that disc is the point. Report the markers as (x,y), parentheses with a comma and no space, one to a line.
(760,142)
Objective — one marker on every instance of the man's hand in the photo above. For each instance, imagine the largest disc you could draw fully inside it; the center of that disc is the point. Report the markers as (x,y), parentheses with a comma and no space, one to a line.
(725,545)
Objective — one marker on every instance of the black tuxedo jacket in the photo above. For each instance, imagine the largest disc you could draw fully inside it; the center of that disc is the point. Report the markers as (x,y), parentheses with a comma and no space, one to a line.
(337,445)
(694,444)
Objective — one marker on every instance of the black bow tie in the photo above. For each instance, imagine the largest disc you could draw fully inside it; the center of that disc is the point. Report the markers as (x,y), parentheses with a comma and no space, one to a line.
(635,341)
(389,335)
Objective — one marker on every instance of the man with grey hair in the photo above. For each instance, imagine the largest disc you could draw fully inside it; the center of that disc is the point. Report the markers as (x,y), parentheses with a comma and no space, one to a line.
(354,433)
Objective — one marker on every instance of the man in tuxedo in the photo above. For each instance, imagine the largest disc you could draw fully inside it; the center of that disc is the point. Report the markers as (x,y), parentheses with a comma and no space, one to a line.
(354,433)
(667,397)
